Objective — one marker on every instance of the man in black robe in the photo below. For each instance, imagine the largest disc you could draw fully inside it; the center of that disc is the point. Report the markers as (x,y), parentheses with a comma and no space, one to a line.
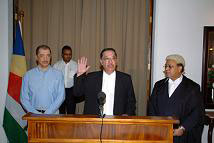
(178,96)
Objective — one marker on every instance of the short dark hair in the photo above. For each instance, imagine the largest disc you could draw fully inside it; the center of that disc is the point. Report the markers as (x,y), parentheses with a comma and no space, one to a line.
(45,47)
(66,47)
(107,49)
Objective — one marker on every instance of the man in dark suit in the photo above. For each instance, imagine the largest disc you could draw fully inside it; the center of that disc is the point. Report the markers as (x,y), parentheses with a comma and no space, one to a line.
(178,96)
(120,97)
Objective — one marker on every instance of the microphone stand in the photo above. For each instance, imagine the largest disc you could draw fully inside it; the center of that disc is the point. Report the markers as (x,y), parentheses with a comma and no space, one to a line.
(101,111)
(101,116)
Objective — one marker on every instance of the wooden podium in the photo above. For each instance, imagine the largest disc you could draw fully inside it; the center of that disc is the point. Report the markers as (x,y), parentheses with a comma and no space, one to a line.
(86,129)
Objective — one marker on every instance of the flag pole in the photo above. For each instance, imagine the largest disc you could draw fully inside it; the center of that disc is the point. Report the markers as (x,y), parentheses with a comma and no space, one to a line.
(19,16)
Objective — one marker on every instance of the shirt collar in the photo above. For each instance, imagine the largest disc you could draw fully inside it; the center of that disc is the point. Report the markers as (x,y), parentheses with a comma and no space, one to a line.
(107,75)
(178,80)
(65,63)
(40,70)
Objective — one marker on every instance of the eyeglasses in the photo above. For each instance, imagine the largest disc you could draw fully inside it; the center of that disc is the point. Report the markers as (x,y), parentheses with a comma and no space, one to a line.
(168,66)
(109,59)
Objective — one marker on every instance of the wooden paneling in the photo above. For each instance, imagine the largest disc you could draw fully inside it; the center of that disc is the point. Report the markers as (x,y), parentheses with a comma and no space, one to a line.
(81,128)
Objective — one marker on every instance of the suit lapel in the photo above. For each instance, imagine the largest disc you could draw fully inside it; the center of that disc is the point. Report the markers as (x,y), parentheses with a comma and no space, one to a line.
(99,81)
(116,91)
(178,91)
(164,89)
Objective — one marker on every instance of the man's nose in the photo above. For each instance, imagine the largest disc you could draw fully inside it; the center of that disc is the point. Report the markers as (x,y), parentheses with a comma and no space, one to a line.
(46,58)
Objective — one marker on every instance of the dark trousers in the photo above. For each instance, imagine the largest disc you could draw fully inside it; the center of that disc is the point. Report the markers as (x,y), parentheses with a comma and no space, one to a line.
(69,105)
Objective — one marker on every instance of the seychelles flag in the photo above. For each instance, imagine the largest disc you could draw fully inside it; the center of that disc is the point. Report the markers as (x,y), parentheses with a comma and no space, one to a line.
(13,123)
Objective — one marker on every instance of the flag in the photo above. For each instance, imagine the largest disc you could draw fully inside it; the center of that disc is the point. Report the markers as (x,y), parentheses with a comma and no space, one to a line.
(13,123)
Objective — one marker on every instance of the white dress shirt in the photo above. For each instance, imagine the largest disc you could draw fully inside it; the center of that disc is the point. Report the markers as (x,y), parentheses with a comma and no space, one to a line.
(174,84)
(108,87)
(68,71)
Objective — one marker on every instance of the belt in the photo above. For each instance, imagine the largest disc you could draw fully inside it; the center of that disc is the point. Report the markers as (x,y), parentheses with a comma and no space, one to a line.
(42,111)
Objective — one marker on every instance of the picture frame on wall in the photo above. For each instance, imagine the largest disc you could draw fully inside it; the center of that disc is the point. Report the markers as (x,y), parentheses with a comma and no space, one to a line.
(208,67)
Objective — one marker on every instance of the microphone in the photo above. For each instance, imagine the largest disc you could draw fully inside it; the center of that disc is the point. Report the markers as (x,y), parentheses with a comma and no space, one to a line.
(101,99)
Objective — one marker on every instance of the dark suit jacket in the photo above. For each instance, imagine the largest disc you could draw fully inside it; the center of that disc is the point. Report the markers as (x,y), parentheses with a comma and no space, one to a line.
(185,103)
(91,84)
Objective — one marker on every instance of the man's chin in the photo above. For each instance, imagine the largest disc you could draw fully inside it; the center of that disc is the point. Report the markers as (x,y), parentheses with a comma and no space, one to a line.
(44,66)
(66,61)
(109,71)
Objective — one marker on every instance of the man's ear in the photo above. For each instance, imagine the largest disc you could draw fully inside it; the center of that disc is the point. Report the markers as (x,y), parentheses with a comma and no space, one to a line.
(101,62)
(180,69)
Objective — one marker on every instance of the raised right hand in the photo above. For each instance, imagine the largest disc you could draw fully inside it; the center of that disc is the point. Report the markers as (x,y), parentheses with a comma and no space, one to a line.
(82,66)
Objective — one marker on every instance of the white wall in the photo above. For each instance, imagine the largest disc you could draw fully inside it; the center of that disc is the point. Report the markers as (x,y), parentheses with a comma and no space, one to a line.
(178,28)
(6,41)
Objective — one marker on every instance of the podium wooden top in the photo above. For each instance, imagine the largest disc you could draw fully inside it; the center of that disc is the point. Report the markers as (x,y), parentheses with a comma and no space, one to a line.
(95,118)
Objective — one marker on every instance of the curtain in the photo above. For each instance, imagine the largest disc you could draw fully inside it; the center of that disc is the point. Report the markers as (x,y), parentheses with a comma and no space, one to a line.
(88,26)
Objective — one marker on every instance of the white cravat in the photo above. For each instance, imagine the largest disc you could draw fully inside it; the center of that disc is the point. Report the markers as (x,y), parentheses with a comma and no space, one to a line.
(174,84)
(108,87)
